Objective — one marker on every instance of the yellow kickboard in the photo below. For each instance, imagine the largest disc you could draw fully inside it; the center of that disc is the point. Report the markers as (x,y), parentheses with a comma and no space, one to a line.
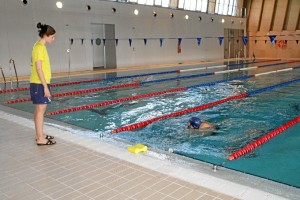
(137,148)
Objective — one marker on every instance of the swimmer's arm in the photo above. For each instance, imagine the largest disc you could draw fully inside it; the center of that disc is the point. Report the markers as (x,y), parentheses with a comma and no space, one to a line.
(210,126)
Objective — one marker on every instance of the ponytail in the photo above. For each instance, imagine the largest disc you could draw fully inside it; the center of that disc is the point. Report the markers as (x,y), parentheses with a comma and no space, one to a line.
(45,29)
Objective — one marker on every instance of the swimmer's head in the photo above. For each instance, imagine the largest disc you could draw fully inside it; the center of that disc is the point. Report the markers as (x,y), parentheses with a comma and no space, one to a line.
(194,122)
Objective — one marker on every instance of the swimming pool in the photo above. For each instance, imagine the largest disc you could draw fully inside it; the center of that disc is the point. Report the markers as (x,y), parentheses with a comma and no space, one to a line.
(240,121)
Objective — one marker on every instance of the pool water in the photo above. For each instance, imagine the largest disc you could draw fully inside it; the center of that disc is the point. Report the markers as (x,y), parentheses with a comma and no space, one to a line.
(240,121)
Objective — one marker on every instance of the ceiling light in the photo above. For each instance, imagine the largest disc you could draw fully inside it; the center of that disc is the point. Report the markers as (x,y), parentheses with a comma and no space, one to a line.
(223,20)
(114,10)
(59,4)
(154,14)
(136,11)
(186,17)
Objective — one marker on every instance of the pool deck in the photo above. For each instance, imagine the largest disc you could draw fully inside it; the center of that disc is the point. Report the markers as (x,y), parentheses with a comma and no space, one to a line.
(83,168)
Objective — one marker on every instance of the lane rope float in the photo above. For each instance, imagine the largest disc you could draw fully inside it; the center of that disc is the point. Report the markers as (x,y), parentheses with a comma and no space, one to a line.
(52,85)
(122,77)
(214,73)
(201,68)
(148,95)
(263,139)
(89,106)
(142,96)
(222,66)
(80,92)
(202,107)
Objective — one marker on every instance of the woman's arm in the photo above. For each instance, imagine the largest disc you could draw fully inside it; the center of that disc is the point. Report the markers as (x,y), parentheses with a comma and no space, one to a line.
(40,72)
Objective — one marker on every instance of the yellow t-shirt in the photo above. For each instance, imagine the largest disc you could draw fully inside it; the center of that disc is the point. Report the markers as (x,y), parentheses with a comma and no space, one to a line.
(39,53)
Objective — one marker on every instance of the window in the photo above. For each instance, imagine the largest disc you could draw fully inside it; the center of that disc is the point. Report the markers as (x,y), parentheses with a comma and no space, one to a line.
(202,5)
(226,7)
(195,5)
(165,3)
(190,4)
(158,2)
(230,7)
(150,2)
(222,7)
(142,1)
(145,2)
(181,4)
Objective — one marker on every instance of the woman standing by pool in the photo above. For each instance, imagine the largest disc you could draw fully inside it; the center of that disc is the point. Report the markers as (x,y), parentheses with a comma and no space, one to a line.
(40,81)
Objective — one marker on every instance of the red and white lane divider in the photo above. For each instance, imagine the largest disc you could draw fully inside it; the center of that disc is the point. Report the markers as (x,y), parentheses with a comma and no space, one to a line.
(98,80)
(222,66)
(52,85)
(142,96)
(275,71)
(106,103)
(179,113)
(202,107)
(260,141)
(201,68)
(256,67)
(79,92)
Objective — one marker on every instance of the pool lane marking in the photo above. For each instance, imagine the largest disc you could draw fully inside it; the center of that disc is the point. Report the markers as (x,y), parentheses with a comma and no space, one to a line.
(202,68)
(201,107)
(115,101)
(222,66)
(122,77)
(52,85)
(135,84)
(263,139)
(78,92)
(260,74)
(142,96)
(256,67)
(147,95)
(275,71)
(215,73)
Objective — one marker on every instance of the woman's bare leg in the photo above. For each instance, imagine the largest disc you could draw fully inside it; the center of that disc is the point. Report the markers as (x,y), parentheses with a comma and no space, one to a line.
(39,112)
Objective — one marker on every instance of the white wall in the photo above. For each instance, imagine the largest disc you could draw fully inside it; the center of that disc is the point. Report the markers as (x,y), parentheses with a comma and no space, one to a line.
(18,33)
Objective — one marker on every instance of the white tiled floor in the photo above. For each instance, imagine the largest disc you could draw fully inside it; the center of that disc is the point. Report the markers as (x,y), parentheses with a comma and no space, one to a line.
(70,171)
(80,168)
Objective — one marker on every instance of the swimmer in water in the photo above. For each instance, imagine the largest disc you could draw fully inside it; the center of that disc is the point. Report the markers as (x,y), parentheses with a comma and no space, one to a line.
(205,127)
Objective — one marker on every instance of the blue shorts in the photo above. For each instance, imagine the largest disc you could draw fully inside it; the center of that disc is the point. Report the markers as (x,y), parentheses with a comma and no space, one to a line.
(37,94)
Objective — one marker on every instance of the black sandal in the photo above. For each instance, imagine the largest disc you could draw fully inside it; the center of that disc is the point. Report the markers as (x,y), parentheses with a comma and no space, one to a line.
(49,137)
(49,142)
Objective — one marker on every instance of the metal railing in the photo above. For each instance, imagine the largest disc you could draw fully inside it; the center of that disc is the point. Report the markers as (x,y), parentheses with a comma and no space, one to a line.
(11,61)
(3,75)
